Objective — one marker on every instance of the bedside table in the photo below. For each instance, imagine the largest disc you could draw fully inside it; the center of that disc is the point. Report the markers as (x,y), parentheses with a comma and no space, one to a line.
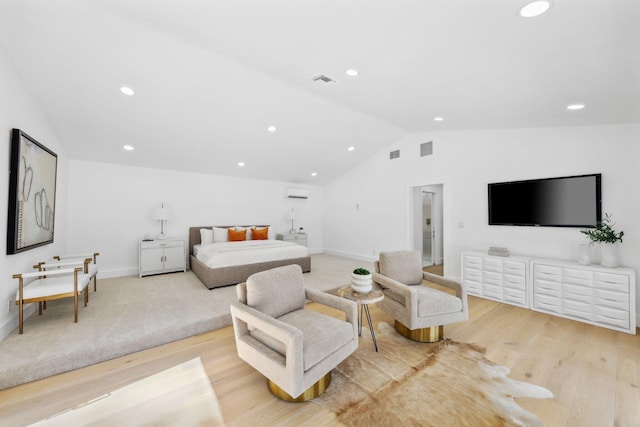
(299,238)
(161,256)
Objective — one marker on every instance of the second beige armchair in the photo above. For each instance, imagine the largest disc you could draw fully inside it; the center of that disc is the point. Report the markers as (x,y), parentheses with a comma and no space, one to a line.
(420,312)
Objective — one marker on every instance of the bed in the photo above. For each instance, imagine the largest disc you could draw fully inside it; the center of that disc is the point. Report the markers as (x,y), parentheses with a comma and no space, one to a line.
(229,272)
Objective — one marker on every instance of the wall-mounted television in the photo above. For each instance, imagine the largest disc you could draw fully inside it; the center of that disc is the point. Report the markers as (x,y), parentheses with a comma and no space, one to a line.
(568,201)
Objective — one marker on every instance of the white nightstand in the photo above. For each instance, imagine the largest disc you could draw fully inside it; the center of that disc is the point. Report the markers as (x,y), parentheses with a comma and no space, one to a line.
(299,238)
(161,256)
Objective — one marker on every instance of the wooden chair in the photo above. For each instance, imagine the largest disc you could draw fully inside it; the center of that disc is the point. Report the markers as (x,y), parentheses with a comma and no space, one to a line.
(50,284)
(79,258)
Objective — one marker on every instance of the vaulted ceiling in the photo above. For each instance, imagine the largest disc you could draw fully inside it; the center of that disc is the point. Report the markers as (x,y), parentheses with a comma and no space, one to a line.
(211,76)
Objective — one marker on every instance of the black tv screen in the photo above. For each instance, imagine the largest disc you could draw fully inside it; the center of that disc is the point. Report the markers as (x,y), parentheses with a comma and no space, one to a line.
(570,201)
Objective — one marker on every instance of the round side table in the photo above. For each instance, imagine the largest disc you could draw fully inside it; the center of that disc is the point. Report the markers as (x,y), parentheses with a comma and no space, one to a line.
(363,301)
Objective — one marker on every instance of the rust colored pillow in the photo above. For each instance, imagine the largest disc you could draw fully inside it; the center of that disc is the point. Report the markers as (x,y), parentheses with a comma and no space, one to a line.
(237,235)
(259,233)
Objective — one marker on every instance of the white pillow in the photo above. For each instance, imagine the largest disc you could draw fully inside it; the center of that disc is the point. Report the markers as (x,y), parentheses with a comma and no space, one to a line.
(220,235)
(249,235)
(206,236)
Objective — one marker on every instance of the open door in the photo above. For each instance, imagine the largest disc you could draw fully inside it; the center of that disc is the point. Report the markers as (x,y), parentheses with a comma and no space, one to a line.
(428,224)
(428,232)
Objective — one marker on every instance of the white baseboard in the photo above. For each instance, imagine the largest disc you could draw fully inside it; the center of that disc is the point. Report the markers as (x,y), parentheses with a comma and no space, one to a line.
(117,272)
(11,324)
(371,258)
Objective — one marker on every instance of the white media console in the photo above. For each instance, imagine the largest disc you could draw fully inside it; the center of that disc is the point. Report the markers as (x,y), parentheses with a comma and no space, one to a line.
(592,294)
(501,279)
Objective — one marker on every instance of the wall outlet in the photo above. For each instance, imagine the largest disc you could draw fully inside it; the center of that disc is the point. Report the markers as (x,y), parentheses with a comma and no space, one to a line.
(9,303)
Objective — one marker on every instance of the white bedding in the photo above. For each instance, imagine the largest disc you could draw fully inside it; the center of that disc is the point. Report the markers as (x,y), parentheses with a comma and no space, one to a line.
(226,254)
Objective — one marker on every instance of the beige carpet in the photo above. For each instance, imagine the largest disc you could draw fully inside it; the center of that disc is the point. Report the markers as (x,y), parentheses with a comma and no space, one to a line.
(129,314)
(441,384)
(125,315)
(179,396)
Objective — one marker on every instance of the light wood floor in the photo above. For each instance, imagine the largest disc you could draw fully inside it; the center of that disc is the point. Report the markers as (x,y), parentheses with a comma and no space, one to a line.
(593,372)
(435,269)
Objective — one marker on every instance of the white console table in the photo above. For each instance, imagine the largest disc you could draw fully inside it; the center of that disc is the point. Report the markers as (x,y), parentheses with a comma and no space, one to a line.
(592,294)
(502,279)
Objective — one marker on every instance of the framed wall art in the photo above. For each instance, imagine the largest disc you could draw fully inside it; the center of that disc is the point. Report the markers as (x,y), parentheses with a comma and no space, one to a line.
(32,194)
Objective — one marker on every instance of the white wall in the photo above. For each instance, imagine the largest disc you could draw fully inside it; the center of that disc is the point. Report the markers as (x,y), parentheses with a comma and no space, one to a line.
(17,110)
(111,206)
(465,162)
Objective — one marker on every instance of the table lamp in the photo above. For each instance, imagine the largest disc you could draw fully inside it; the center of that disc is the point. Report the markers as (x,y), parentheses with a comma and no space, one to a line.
(161,214)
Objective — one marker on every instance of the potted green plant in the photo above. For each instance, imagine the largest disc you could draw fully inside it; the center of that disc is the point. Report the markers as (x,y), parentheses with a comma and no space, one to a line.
(605,234)
(361,280)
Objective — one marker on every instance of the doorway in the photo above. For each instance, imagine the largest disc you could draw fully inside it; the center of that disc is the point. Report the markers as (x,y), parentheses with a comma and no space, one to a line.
(428,225)
(428,233)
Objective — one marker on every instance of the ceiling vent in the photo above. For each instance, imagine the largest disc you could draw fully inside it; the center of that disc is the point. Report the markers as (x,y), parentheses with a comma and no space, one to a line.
(297,193)
(394,154)
(323,78)
(426,149)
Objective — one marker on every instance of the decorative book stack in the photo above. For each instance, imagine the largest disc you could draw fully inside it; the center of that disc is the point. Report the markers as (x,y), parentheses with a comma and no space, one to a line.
(498,251)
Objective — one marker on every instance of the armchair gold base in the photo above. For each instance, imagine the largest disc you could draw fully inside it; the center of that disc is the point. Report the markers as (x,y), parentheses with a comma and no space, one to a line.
(312,392)
(432,334)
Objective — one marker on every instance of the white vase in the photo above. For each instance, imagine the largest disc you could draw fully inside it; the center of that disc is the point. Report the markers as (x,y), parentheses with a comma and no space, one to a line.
(361,283)
(584,254)
(609,254)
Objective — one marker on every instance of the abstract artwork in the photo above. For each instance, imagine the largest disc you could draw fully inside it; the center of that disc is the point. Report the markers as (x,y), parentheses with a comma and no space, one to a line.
(32,194)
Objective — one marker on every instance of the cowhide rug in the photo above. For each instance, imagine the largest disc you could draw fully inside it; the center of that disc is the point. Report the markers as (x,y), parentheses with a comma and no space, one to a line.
(416,384)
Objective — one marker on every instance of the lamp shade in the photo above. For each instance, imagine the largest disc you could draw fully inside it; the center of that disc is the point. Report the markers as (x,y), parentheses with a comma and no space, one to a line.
(161,214)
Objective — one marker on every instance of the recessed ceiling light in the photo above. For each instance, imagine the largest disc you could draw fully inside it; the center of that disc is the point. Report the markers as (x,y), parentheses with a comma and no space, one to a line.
(314,173)
(438,119)
(271,128)
(535,8)
(575,107)
(351,72)
(351,148)
(240,163)
(127,90)
(128,147)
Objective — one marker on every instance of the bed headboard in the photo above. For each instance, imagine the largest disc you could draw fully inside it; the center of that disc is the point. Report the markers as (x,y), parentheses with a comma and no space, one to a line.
(194,233)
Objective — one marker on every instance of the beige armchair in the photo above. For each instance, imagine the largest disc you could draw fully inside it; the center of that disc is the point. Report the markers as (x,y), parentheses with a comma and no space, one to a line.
(420,312)
(294,347)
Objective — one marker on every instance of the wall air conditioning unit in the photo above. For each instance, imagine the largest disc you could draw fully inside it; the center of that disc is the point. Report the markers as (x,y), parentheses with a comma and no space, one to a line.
(297,193)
